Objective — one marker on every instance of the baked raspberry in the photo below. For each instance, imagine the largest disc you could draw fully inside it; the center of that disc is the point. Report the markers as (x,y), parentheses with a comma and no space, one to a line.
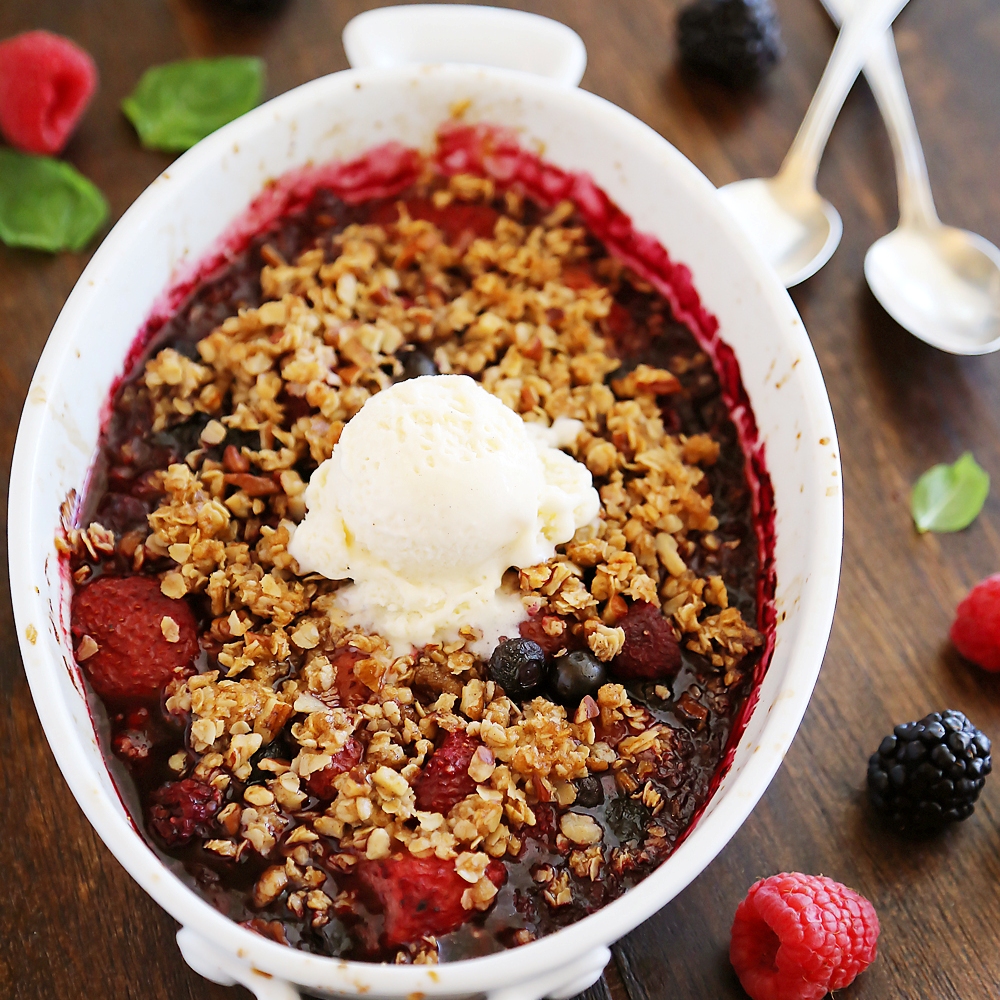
(320,783)
(651,651)
(797,937)
(976,629)
(133,737)
(544,829)
(445,778)
(46,83)
(421,896)
(132,745)
(124,616)
(351,689)
(180,810)
(539,629)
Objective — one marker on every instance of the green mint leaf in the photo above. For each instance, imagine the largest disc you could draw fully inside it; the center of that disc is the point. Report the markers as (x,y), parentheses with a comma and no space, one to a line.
(45,204)
(950,497)
(178,104)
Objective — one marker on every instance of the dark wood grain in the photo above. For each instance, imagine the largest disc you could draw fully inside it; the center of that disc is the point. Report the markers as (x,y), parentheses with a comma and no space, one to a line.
(73,924)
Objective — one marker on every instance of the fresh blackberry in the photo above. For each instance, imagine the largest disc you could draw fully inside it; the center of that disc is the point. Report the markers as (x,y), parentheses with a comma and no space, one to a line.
(734,41)
(929,773)
(518,666)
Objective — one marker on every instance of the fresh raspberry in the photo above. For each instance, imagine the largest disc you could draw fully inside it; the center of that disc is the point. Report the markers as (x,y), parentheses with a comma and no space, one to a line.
(421,896)
(123,615)
(320,783)
(651,651)
(46,82)
(797,937)
(976,629)
(445,778)
(180,810)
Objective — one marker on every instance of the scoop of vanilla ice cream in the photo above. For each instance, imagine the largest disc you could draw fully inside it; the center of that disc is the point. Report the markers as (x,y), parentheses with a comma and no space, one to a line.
(433,491)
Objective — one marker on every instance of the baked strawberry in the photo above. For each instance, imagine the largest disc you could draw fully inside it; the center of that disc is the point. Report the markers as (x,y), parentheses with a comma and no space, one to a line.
(130,638)
(46,83)
(421,896)
(445,778)
(651,651)
(320,783)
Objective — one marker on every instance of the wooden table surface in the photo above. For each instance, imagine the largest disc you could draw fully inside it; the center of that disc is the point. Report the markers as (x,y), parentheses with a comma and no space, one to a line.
(73,924)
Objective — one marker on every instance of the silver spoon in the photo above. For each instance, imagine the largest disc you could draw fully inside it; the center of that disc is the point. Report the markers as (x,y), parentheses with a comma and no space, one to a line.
(792,226)
(940,283)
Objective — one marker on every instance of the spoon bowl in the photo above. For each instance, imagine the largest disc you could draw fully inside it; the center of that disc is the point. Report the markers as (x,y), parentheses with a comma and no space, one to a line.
(795,230)
(793,227)
(940,283)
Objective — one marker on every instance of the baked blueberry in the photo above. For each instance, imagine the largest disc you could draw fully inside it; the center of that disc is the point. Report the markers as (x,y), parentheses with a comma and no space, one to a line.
(589,791)
(518,666)
(415,363)
(628,818)
(576,675)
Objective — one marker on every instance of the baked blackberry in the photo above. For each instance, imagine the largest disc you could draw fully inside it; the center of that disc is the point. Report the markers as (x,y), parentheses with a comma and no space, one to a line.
(928,774)
(733,41)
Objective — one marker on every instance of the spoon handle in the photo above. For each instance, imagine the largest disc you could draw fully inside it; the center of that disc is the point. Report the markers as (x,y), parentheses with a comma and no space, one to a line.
(916,202)
(871,20)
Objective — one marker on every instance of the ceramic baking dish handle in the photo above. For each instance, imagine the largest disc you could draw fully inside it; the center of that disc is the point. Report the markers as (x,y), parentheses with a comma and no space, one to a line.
(457,33)
(562,983)
(211,962)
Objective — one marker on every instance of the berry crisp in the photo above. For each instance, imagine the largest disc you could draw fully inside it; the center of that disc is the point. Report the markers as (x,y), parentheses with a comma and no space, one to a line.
(289,767)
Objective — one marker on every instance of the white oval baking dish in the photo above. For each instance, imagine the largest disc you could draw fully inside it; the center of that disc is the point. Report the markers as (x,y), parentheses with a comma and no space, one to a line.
(177,221)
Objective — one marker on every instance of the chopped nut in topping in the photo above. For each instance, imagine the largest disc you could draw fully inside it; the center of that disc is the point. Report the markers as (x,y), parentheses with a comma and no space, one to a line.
(482,766)
(86,649)
(558,892)
(269,886)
